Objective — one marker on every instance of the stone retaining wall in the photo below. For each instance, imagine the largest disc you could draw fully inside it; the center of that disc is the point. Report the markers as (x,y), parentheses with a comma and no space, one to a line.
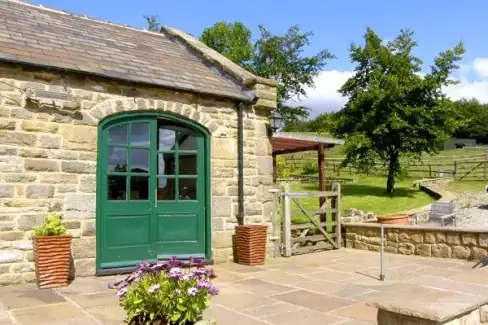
(48,154)
(416,240)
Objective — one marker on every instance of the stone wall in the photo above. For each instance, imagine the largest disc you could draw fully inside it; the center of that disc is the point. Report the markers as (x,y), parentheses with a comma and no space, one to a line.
(48,159)
(415,240)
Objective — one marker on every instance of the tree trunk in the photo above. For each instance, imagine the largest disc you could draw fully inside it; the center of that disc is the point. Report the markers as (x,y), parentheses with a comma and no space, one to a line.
(393,166)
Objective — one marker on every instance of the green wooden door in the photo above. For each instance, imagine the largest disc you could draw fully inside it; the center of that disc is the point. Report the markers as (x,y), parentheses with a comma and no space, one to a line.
(153,196)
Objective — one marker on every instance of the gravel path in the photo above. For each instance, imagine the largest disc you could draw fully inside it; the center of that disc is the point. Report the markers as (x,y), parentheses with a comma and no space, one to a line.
(472,210)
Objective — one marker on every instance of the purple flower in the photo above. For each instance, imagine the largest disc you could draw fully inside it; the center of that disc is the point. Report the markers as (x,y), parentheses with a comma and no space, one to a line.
(203,284)
(154,288)
(211,273)
(213,290)
(192,291)
(121,292)
(175,273)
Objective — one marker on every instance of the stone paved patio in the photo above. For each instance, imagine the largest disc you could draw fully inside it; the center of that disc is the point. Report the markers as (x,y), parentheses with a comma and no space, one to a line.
(316,289)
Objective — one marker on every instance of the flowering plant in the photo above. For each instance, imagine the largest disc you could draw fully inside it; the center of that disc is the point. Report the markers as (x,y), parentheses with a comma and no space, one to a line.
(166,293)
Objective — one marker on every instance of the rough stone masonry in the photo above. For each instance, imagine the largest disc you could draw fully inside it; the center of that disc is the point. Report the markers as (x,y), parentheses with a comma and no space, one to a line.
(48,159)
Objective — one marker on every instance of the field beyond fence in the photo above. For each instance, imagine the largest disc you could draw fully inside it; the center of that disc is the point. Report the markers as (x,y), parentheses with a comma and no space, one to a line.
(460,167)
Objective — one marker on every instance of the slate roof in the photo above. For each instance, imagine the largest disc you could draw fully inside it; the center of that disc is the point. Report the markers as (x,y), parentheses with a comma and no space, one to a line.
(50,38)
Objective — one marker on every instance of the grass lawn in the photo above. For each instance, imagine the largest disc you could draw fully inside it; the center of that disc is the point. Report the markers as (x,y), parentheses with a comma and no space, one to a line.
(367,195)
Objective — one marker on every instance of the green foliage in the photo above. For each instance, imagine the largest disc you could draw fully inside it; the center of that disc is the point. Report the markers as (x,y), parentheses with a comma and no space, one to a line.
(282,169)
(233,40)
(52,226)
(167,299)
(278,57)
(471,116)
(310,168)
(322,124)
(153,23)
(392,111)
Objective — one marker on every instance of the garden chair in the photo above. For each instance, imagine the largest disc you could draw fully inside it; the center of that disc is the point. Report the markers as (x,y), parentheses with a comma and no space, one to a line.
(439,211)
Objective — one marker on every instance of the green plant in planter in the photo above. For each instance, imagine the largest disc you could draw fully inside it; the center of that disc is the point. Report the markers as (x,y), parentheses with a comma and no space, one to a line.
(52,226)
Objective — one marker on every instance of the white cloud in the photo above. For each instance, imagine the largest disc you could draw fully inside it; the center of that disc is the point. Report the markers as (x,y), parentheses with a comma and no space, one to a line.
(473,83)
(480,66)
(325,97)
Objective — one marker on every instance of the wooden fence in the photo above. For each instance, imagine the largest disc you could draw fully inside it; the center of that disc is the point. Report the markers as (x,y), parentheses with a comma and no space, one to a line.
(324,229)
(474,168)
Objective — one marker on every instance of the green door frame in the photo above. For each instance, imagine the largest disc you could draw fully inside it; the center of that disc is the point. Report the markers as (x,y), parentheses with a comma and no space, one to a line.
(207,179)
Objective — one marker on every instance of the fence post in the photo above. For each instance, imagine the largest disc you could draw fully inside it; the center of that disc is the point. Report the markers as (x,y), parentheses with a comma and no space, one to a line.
(484,167)
(287,220)
(455,169)
(275,192)
(336,204)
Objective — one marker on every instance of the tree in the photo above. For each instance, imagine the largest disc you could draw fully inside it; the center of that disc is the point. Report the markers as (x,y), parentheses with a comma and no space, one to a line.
(272,56)
(153,23)
(280,58)
(323,123)
(393,111)
(471,116)
(231,40)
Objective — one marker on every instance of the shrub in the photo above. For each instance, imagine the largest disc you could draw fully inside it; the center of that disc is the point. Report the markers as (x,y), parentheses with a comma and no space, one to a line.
(52,226)
(172,292)
(310,168)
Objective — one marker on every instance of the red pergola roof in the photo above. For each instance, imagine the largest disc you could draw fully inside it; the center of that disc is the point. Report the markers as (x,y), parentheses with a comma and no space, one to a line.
(287,143)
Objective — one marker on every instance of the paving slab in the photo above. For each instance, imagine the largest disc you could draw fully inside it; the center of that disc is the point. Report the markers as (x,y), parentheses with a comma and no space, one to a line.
(359,312)
(280,277)
(107,315)
(41,315)
(333,276)
(304,317)
(311,300)
(477,276)
(28,295)
(95,299)
(271,310)
(450,285)
(321,286)
(261,287)
(237,299)
(227,316)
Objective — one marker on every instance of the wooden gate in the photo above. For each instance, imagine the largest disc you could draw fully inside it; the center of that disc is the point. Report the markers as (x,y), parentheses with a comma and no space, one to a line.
(324,229)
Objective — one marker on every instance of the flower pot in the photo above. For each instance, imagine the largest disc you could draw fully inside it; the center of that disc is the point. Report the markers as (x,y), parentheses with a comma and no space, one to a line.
(250,244)
(399,219)
(52,260)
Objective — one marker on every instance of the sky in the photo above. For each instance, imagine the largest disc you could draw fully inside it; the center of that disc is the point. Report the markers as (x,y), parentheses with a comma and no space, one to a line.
(438,25)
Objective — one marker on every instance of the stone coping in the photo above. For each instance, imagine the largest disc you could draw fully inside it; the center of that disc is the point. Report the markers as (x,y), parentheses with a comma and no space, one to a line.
(426,303)
(413,227)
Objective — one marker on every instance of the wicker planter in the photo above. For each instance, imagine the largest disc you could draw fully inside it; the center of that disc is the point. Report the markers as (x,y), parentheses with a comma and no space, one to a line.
(250,244)
(399,219)
(52,260)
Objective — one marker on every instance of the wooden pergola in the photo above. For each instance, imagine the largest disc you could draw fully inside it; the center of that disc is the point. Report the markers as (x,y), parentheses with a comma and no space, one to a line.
(284,143)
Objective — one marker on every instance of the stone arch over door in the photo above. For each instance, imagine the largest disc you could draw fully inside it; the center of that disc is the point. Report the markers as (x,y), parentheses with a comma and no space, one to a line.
(153,189)
(114,106)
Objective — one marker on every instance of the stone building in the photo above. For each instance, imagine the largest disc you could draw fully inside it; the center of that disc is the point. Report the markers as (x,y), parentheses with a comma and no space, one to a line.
(132,135)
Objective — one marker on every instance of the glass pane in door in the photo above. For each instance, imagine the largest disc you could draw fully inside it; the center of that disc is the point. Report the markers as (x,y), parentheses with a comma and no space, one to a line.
(140,134)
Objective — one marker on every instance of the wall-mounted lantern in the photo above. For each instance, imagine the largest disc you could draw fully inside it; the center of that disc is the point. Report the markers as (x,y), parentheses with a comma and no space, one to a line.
(275,122)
